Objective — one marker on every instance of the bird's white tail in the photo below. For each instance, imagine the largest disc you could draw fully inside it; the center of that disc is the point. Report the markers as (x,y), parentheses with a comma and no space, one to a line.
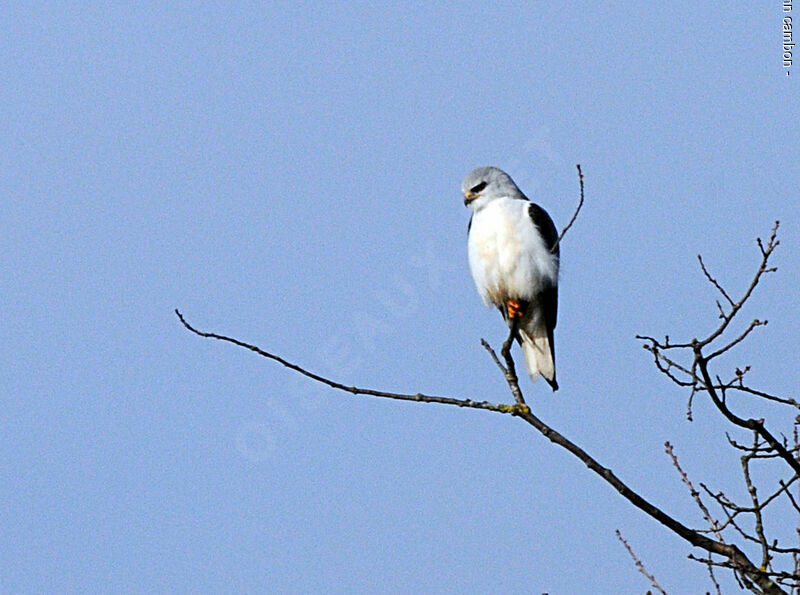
(539,356)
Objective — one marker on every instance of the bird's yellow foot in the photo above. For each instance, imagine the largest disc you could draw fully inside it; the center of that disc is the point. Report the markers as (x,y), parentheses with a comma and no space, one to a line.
(514,309)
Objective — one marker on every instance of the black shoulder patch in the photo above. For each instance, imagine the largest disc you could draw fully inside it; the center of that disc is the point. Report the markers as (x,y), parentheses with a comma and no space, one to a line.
(545,225)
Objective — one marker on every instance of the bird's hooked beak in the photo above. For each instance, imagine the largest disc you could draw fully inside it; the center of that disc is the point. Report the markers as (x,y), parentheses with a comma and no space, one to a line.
(469,196)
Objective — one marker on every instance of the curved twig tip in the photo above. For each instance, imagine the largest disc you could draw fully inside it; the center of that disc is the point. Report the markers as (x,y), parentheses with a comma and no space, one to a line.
(574,216)
(187,325)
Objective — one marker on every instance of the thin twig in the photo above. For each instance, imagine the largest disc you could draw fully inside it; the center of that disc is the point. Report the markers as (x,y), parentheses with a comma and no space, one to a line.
(732,511)
(554,249)
(508,372)
(488,348)
(665,364)
(712,522)
(763,268)
(757,507)
(737,340)
(791,498)
(763,395)
(639,565)
(783,489)
(716,284)
(712,577)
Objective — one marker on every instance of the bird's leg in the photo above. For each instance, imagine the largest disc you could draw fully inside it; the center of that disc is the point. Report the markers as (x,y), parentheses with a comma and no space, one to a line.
(511,371)
(513,322)
(506,351)
(514,310)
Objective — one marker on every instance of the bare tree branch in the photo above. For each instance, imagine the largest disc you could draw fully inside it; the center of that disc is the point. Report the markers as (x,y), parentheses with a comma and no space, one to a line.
(418,397)
(756,425)
(738,559)
(766,445)
(700,361)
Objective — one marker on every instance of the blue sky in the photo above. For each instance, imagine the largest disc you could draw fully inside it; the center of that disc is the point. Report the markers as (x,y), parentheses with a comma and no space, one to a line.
(289,174)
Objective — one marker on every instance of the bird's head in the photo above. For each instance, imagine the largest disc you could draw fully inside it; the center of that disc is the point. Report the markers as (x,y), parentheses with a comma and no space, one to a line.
(484,184)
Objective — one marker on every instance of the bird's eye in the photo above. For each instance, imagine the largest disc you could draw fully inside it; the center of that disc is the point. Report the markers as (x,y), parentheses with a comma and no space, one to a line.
(478,188)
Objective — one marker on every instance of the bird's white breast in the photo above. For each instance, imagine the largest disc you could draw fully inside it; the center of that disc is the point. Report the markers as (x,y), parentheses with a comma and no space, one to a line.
(507,255)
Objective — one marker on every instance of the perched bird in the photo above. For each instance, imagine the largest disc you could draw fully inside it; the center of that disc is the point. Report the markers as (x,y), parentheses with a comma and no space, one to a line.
(512,261)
